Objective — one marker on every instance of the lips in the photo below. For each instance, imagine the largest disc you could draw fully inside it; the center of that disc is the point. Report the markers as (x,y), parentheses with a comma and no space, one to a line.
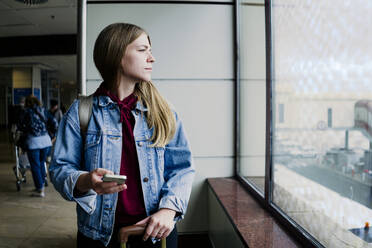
(148,69)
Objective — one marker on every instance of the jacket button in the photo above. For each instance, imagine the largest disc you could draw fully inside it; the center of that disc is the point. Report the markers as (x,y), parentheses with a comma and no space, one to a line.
(146,179)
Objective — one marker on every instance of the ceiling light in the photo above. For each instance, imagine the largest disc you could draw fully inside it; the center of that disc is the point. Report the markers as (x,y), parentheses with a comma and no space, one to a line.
(32,2)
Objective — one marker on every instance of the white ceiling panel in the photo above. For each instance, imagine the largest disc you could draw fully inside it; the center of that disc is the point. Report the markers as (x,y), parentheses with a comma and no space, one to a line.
(10,17)
(53,21)
(53,17)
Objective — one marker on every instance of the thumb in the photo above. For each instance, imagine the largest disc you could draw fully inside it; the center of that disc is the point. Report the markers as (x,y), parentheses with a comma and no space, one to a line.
(101,171)
(143,222)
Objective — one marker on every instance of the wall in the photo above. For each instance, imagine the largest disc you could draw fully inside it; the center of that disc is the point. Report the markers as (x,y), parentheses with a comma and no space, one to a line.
(221,230)
(193,45)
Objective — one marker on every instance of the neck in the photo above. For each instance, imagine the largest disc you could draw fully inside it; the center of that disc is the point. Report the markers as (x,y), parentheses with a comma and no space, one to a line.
(125,89)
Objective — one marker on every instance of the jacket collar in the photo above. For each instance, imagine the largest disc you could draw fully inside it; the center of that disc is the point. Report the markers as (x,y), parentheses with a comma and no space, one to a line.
(103,101)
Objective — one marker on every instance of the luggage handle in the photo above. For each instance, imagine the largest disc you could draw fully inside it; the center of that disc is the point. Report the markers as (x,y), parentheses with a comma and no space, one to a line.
(127,231)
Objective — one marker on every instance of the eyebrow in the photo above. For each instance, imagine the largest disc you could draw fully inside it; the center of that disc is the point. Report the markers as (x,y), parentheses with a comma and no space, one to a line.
(146,46)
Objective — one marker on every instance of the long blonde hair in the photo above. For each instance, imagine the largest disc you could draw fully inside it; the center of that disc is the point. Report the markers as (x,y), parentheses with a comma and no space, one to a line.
(109,50)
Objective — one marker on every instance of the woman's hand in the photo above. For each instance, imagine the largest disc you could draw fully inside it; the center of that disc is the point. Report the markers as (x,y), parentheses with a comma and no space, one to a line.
(93,180)
(159,225)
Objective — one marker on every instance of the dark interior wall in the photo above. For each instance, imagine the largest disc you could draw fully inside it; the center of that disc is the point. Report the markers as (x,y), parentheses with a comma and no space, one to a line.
(5,100)
(38,45)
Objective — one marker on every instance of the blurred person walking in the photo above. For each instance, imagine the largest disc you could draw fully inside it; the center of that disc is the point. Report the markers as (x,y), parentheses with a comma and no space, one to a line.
(55,110)
(37,141)
(16,113)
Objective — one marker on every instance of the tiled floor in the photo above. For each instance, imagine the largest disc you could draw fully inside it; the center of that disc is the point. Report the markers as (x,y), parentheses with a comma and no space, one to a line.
(27,221)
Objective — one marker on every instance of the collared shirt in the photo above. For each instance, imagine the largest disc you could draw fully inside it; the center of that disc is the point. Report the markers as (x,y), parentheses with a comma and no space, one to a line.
(166,172)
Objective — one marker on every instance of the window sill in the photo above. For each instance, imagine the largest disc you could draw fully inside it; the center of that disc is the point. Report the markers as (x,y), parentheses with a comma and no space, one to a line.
(253,224)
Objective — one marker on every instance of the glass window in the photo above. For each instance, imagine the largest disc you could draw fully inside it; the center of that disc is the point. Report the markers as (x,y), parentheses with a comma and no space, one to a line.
(322,152)
(252,92)
(281,112)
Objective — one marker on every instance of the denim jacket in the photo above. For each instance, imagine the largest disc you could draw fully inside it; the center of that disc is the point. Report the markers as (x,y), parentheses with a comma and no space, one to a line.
(166,172)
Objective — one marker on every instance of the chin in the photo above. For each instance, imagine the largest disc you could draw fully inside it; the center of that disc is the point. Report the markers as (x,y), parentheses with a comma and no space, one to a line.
(146,79)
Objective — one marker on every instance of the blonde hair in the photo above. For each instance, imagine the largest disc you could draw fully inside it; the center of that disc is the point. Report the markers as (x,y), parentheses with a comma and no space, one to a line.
(109,50)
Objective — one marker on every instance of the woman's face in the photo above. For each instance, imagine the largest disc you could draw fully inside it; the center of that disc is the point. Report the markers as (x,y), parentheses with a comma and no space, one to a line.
(137,61)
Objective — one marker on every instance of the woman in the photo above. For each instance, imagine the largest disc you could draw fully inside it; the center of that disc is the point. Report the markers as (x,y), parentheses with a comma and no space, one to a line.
(37,140)
(132,132)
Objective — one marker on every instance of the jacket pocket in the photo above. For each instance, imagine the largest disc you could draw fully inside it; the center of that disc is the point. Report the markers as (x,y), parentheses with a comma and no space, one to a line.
(92,139)
(91,150)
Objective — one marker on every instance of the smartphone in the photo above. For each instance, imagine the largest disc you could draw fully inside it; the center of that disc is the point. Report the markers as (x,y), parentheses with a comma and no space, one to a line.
(120,179)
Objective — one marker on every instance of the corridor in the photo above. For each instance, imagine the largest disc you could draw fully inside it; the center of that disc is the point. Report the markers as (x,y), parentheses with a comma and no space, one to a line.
(30,221)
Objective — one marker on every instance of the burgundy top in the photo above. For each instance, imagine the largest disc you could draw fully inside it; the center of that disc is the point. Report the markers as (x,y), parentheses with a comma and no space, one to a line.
(130,207)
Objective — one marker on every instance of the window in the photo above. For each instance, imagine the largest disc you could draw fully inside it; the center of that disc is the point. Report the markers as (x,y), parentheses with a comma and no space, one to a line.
(318,163)
(252,90)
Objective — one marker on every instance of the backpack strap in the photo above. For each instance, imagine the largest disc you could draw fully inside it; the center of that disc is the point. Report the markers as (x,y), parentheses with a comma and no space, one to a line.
(85,112)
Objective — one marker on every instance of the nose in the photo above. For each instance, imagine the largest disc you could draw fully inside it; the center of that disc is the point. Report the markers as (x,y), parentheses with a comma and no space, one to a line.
(151,58)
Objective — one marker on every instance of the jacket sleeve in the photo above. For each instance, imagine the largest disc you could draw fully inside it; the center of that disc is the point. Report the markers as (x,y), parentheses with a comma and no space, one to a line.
(66,166)
(178,173)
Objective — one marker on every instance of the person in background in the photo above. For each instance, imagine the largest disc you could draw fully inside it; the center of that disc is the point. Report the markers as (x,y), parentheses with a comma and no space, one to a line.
(37,140)
(55,110)
(57,113)
(15,115)
(63,109)
(132,132)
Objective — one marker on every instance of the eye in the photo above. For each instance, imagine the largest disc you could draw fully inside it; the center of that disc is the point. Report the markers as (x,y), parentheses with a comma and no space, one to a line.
(142,50)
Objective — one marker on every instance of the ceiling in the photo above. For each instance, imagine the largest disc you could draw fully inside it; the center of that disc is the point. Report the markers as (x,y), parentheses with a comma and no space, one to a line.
(51,18)
(18,19)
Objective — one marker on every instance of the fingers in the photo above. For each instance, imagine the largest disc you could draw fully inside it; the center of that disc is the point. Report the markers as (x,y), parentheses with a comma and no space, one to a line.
(158,228)
(149,229)
(166,233)
(109,187)
(162,233)
(104,187)
(96,176)
(101,172)
(143,222)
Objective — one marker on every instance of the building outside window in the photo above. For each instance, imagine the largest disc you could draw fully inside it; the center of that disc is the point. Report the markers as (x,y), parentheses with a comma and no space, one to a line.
(329,117)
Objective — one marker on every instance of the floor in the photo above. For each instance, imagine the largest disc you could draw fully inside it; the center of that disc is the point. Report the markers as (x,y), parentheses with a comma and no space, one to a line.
(27,221)
(48,222)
